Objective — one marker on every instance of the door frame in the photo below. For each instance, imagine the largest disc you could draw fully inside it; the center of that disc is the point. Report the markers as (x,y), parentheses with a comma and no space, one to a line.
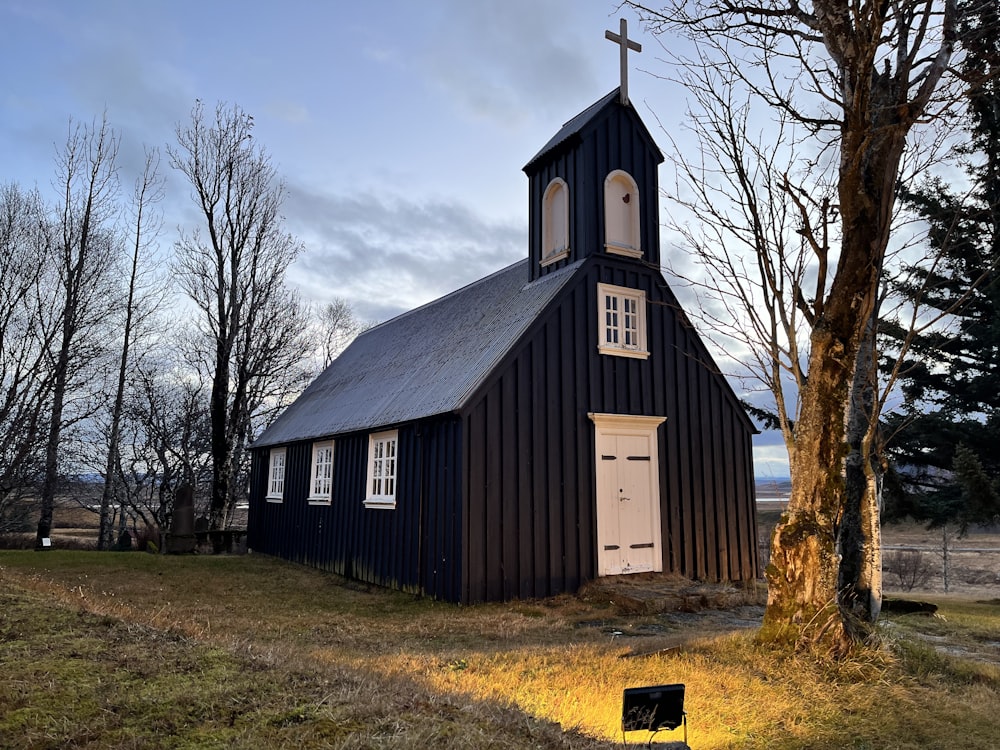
(635,425)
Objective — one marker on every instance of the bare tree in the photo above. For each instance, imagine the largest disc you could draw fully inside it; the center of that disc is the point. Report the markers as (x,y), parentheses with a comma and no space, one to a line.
(26,333)
(83,248)
(169,440)
(855,78)
(138,306)
(742,212)
(337,328)
(233,269)
(911,568)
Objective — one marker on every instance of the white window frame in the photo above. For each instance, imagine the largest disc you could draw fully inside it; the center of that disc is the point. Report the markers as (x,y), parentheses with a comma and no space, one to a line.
(555,222)
(621,321)
(383,470)
(276,471)
(621,215)
(321,473)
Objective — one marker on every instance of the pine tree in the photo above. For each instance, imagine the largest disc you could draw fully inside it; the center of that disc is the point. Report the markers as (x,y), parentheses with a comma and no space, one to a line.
(944,440)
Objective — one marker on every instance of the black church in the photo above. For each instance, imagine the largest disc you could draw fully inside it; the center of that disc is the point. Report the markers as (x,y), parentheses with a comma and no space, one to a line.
(554,422)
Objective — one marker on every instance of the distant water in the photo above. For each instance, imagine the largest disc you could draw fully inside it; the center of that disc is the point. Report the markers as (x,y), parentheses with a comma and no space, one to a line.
(773,489)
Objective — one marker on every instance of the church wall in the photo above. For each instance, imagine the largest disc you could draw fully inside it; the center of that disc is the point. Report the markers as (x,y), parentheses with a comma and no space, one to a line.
(528,519)
(414,547)
(706,447)
(531,519)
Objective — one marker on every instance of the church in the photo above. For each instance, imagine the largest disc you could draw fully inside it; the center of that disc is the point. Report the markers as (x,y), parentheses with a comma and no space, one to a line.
(556,421)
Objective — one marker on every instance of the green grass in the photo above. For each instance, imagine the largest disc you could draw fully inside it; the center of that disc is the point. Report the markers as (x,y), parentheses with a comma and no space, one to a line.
(102,650)
(74,679)
(961,644)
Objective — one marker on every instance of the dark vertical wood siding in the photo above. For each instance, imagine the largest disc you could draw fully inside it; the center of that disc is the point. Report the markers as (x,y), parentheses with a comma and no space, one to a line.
(530,478)
(615,140)
(414,547)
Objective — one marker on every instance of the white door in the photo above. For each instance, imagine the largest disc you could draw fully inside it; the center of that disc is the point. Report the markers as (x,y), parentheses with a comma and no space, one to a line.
(628,509)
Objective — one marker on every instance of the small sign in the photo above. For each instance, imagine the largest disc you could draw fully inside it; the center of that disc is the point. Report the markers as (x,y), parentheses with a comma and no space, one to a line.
(46,542)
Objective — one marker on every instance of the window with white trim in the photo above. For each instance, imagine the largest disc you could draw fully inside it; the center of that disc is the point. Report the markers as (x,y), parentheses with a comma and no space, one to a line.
(321,475)
(276,475)
(555,222)
(621,320)
(621,215)
(382,464)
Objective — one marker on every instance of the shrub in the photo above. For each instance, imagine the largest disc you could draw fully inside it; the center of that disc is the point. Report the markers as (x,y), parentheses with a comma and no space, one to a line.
(14,517)
(911,567)
(146,536)
(978,576)
(17,541)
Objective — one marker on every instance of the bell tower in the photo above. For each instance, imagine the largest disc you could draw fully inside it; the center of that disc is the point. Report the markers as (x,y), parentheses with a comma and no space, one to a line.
(593,187)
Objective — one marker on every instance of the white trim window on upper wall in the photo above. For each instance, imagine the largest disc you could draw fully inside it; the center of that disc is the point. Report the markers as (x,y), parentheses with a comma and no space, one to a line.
(621,321)
(555,222)
(621,215)
(382,465)
(321,474)
(276,475)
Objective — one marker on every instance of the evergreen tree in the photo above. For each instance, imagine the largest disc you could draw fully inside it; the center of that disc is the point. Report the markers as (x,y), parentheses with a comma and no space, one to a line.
(945,440)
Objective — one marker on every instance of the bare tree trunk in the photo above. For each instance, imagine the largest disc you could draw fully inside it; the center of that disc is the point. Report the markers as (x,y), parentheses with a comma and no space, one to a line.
(51,476)
(235,275)
(802,575)
(89,181)
(804,572)
(112,472)
(945,562)
(147,190)
(222,455)
(860,538)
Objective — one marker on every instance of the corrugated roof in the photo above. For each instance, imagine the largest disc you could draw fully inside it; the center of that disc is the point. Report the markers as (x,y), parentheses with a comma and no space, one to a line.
(424,362)
(572,130)
(574,126)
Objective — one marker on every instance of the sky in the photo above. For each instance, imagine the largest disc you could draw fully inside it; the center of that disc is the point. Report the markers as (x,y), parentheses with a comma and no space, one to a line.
(400,128)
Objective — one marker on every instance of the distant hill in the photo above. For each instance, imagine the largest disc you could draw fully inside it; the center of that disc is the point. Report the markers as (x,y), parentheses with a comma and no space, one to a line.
(773,488)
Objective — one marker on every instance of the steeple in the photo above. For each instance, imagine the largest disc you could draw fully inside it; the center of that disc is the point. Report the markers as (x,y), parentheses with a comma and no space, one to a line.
(593,187)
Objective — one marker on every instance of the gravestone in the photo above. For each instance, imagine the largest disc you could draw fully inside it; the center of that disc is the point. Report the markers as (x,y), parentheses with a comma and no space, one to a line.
(182,537)
(124,543)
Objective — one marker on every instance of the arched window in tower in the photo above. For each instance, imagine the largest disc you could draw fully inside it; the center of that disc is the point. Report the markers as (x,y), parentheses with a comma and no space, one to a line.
(555,222)
(621,215)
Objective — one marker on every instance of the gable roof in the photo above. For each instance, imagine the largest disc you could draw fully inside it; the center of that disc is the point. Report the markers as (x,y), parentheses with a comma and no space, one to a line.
(572,130)
(424,362)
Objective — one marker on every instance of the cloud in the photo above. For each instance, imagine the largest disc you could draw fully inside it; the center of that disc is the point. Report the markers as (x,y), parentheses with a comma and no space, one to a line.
(769,460)
(386,254)
(499,68)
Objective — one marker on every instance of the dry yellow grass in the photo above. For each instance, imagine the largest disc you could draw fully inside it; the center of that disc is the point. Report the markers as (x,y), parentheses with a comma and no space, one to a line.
(334,665)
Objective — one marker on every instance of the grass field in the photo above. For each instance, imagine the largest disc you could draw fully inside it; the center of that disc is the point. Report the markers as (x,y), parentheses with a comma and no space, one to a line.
(119,650)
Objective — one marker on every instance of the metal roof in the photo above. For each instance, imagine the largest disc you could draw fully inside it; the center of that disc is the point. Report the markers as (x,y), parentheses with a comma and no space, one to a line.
(424,362)
(573,128)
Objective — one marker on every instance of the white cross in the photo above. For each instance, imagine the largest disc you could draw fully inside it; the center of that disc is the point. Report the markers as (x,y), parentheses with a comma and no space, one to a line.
(626,44)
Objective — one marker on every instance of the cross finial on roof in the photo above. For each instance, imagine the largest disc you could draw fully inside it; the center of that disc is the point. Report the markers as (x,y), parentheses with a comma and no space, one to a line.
(626,44)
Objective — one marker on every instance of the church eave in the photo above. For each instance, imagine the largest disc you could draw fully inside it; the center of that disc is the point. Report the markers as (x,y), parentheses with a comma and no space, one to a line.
(572,129)
(572,133)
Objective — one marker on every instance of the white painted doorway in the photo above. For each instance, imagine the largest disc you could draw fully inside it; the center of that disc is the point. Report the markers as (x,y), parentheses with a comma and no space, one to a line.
(628,494)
